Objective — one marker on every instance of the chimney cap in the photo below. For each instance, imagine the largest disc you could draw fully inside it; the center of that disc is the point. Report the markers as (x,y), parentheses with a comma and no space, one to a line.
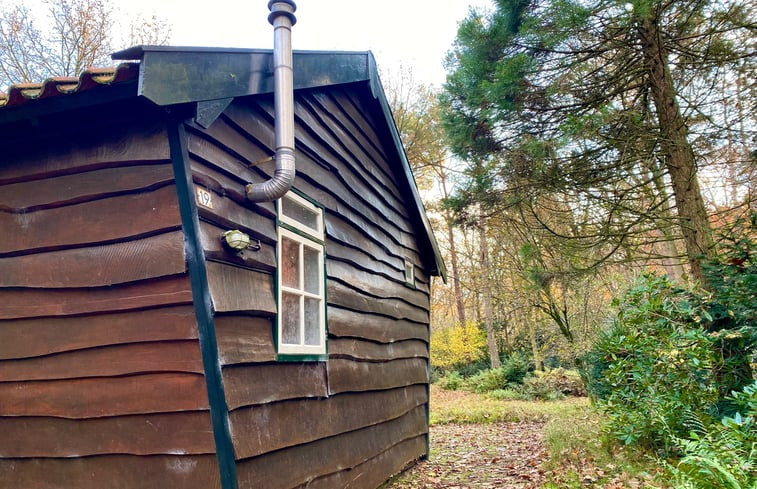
(282,10)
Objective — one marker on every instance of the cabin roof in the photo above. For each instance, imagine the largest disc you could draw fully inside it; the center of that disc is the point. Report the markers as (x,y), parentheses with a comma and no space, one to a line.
(172,76)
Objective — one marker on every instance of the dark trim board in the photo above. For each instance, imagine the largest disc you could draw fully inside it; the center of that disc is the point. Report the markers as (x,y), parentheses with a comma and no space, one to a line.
(202,302)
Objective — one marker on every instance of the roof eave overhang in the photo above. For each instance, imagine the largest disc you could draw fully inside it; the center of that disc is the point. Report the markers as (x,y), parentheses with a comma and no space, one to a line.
(171,75)
(93,94)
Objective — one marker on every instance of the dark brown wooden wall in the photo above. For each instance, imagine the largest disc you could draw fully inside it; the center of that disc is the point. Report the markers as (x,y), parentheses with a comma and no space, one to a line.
(360,417)
(101,376)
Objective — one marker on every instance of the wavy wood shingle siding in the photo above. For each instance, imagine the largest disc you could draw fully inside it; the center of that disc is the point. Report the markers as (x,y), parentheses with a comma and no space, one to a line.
(284,469)
(101,376)
(361,416)
(113,472)
(372,472)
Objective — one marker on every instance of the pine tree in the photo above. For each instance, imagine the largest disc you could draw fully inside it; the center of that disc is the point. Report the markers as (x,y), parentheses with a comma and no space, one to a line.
(600,112)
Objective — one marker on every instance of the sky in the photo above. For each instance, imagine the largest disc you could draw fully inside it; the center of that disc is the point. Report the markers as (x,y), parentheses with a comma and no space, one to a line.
(407,34)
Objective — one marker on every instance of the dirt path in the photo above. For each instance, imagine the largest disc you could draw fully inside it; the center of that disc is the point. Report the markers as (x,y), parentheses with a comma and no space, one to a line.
(480,456)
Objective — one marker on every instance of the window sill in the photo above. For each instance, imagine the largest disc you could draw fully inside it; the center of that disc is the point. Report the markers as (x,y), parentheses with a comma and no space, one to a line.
(301,357)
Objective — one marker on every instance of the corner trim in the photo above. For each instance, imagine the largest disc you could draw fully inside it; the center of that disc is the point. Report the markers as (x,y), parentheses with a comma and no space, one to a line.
(219,411)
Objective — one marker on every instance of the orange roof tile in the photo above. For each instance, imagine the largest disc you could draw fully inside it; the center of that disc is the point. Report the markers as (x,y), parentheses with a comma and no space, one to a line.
(22,93)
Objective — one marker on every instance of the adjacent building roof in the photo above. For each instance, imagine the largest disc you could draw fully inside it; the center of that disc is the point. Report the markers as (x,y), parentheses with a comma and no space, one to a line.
(22,93)
(211,78)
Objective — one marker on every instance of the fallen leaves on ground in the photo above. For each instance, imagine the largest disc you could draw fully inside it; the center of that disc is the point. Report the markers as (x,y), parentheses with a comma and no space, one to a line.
(480,456)
(580,471)
(482,443)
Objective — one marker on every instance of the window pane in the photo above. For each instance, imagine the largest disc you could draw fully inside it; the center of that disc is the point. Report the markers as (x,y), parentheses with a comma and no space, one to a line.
(409,273)
(299,213)
(290,263)
(311,260)
(290,319)
(312,321)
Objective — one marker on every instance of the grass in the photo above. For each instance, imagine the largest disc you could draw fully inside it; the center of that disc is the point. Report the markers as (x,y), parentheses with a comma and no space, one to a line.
(463,407)
(580,455)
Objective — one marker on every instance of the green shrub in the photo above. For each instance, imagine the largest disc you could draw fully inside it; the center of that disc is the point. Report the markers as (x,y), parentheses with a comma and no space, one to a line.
(553,384)
(512,371)
(566,382)
(515,368)
(732,309)
(653,366)
(538,387)
(546,386)
(508,394)
(724,454)
(674,355)
(487,380)
(451,382)
(472,368)
(532,389)
(436,373)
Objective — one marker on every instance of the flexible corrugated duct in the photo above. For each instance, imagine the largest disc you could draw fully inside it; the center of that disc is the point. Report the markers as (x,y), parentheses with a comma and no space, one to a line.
(282,18)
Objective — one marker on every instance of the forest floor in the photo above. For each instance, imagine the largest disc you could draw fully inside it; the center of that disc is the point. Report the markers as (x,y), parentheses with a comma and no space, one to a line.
(485,456)
(482,443)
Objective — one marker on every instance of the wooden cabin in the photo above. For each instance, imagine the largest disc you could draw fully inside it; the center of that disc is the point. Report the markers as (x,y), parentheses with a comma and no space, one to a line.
(139,350)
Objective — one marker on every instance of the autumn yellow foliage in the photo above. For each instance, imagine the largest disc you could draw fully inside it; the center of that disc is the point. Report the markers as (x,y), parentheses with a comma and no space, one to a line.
(458,345)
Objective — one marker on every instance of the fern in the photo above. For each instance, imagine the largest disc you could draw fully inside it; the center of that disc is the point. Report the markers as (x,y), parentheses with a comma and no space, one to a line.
(723,454)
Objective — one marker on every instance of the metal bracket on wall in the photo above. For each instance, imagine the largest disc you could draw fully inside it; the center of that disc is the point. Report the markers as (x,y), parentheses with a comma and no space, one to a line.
(209,110)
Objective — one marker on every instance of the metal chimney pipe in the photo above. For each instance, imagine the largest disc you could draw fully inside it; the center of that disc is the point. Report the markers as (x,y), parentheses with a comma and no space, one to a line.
(282,18)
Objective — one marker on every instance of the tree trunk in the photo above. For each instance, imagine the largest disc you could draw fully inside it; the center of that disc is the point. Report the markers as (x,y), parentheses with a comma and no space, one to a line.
(458,291)
(457,288)
(695,226)
(535,350)
(677,151)
(672,265)
(486,293)
(506,331)
(668,248)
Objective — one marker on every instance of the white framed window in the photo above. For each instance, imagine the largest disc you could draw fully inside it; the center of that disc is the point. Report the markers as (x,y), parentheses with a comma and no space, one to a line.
(301,322)
(301,214)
